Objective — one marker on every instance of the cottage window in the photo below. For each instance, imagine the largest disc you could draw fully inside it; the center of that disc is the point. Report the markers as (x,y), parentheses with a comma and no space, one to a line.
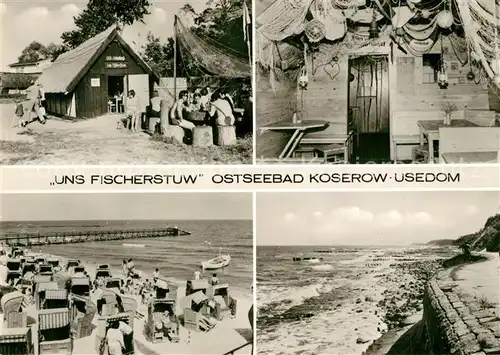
(431,64)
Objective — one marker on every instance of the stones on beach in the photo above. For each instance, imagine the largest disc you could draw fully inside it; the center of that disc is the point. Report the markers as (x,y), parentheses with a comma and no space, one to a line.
(358,300)
(361,341)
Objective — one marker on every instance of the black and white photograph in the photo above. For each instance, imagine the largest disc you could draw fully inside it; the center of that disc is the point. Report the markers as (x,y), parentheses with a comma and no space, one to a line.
(126,273)
(119,82)
(377,81)
(378,273)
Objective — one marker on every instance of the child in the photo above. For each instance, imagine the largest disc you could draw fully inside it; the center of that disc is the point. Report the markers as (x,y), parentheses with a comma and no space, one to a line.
(20,114)
(132,104)
(215,280)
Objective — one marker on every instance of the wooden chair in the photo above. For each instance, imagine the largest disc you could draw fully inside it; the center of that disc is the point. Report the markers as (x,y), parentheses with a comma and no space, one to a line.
(112,106)
(332,153)
(420,154)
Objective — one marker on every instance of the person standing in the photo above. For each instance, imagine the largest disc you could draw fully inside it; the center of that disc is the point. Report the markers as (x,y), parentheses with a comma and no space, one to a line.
(32,94)
(156,275)
(19,114)
(114,337)
(197,274)
(132,107)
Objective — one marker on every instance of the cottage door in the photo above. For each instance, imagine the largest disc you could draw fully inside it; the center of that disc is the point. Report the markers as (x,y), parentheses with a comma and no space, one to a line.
(140,84)
(368,115)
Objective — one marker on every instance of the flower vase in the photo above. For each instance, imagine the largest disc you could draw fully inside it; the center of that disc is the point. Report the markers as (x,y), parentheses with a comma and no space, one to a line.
(447,119)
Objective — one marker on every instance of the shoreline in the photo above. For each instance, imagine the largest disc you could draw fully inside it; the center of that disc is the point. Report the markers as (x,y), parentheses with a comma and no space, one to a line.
(229,333)
(383,344)
(376,304)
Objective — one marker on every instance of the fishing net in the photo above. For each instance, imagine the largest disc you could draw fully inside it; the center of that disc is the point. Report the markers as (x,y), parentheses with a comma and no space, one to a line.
(204,54)
(284,18)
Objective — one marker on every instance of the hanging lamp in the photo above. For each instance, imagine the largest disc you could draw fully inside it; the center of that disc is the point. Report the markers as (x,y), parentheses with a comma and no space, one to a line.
(442,76)
(445,17)
(374,31)
(470,74)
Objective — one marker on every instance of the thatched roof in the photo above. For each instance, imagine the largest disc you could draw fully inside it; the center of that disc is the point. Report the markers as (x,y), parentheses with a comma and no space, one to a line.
(69,68)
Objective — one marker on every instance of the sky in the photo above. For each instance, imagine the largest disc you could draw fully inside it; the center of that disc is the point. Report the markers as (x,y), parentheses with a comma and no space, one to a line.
(370,218)
(136,206)
(23,22)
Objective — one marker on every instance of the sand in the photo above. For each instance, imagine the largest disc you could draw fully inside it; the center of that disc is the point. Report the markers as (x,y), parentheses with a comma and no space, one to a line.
(228,334)
(98,141)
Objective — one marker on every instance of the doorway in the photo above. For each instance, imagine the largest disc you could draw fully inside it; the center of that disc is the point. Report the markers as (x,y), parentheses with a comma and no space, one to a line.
(116,93)
(368,107)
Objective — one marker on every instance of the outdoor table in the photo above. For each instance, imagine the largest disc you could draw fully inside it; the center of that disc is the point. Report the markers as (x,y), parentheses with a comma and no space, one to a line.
(430,128)
(299,129)
(470,157)
(199,118)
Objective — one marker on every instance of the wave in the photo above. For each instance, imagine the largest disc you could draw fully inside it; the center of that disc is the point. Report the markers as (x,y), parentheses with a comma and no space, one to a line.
(323,267)
(128,245)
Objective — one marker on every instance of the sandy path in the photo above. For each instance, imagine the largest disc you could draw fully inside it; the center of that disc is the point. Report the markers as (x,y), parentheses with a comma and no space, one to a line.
(482,279)
(98,141)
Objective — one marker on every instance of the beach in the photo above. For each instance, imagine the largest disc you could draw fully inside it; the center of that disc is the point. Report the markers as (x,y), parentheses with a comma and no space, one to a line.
(342,303)
(177,258)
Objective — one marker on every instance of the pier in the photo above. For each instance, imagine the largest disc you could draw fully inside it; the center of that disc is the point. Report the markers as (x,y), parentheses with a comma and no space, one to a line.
(97,235)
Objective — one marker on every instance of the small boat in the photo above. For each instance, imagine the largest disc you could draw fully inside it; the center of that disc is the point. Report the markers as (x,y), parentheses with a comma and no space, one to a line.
(216,263)
(126,245)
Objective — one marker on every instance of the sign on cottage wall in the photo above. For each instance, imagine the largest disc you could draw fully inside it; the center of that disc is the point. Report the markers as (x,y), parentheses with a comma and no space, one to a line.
(115,58)
(115,62)
(114,65)
(95,82)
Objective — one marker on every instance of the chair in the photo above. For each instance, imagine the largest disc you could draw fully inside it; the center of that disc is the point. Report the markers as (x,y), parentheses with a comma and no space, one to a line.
(420,154)
(112,107)
(119,104)
(332,153)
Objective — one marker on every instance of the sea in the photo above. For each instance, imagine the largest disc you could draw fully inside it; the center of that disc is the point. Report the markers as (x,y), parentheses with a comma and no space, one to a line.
(176,257)
(326,306)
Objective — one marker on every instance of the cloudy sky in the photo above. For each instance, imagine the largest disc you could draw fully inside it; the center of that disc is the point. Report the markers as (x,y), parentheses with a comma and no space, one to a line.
(87,206)
(44,21)
(378,218)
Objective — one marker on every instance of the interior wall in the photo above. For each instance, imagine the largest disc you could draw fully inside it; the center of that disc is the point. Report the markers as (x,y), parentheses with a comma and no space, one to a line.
(412,94)
(273,106)
(326,95)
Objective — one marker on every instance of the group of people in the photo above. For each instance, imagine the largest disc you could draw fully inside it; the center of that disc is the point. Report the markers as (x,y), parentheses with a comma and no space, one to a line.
(198,275)
(218,106)
(36,106)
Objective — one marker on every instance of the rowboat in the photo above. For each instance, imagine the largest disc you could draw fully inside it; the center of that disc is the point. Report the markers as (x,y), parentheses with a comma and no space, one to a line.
(216,263)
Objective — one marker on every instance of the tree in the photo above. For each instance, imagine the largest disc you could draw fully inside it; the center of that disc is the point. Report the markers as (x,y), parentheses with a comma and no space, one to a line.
(222,22)
(160,57)
(54,50)
(36,51)
(99,15)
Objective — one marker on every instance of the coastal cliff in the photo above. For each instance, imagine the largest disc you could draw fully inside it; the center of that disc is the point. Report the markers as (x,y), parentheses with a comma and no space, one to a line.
(487,238)
(454,321)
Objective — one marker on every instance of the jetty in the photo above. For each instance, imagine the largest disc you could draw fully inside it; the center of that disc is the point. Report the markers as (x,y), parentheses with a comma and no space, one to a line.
(95,235)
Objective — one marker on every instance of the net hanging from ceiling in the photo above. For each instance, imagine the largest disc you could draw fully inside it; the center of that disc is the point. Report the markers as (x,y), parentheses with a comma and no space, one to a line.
(208,57)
